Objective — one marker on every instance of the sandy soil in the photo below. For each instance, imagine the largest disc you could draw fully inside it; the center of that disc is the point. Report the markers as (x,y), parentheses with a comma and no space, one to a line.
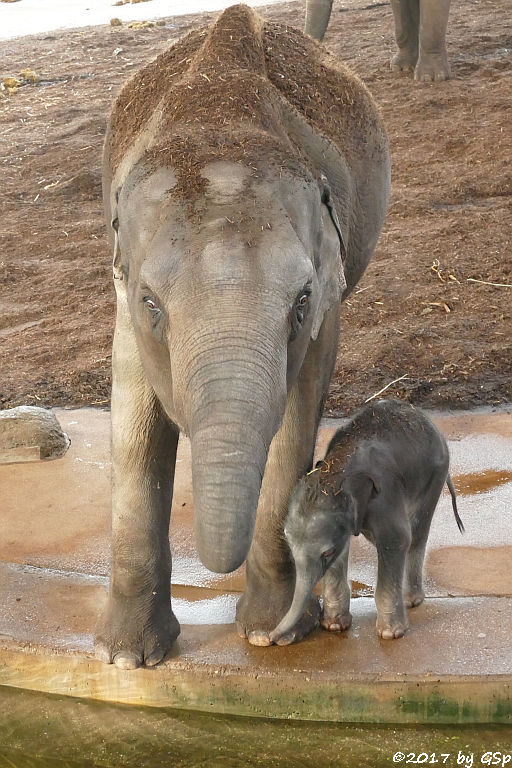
(422,311)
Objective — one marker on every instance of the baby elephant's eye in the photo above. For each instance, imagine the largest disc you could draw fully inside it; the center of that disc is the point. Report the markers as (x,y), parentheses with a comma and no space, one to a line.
(328,554)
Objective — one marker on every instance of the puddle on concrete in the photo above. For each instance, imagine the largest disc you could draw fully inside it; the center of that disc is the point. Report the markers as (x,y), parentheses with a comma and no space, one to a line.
(40,731)
(361,590)
(481,482)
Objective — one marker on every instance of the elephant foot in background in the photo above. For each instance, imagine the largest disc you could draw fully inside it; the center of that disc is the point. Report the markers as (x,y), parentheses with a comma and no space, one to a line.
(256,616)
(432,68)
(405,60)
(135,631)
(428,68)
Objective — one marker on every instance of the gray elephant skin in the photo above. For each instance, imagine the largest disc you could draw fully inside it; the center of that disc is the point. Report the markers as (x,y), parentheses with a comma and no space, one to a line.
(246,179)
(382,476)
(420,33)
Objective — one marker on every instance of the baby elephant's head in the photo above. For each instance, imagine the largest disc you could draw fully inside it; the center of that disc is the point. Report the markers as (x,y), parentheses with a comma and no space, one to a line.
(319,524)
(321,518)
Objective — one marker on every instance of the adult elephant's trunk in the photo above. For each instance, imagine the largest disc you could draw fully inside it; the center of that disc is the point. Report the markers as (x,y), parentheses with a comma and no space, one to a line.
(317,18)
(228,462)
(236,401)
(305,582)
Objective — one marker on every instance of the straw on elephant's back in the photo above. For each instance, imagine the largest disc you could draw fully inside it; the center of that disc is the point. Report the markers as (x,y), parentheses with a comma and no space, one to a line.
(219,93)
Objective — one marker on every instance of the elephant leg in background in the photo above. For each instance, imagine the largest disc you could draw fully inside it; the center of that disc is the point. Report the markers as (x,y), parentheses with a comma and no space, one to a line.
(406,14)
(270,571)
(420,32)
(433,63)
(318,13)
(138,625)
(336,594)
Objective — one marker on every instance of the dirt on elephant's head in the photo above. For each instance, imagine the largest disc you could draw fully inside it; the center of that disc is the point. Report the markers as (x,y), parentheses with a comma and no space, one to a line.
(219,94)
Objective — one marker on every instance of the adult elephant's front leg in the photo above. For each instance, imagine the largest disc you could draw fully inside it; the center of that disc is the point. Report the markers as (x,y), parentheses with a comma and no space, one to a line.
(270,572)
(138,625)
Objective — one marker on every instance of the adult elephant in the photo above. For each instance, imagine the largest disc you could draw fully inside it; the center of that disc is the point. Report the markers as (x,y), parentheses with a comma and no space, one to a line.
(246,178)
(420,32)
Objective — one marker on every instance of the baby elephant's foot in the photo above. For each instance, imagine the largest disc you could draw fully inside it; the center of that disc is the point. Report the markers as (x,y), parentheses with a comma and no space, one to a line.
(414,598)
(391,631)
(336,622)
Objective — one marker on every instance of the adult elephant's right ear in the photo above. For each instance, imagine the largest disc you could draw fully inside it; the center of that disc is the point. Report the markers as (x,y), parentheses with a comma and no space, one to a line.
(331,167)
(329,268)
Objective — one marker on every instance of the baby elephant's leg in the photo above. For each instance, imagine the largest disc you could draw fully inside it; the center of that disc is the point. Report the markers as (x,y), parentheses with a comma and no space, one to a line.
(392,533)
(420,528)
(336,594)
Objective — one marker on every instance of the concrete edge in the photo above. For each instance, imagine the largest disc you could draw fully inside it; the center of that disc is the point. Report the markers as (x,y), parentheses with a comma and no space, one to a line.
(297,695)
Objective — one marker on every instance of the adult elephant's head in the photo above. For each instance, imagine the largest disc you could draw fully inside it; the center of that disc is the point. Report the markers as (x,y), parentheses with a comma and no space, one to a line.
(225,296)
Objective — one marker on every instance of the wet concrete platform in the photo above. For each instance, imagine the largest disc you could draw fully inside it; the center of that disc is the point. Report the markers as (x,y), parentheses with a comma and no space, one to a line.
(454,665)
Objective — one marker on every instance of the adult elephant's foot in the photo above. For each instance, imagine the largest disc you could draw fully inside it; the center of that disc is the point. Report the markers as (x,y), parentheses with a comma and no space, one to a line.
(432,68)
(257,614)
(405,60)
(135,631)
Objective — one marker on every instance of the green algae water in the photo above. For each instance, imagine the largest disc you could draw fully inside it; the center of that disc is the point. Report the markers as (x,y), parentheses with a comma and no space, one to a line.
(38,731)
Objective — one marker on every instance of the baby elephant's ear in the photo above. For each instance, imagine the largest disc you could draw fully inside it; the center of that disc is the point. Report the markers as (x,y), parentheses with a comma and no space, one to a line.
(348,510)
(354,517)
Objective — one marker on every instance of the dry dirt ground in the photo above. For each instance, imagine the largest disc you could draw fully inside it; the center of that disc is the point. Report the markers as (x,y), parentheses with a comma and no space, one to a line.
(423,311)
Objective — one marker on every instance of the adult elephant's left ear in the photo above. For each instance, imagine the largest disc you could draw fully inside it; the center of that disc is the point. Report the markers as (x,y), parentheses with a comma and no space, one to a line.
(330,271)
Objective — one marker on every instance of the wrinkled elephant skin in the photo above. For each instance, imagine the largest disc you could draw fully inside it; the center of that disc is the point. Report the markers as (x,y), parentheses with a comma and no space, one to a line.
(420,33)
(237,229)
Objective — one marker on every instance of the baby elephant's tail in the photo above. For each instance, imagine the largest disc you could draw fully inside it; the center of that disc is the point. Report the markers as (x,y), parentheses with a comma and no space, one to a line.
(454,503)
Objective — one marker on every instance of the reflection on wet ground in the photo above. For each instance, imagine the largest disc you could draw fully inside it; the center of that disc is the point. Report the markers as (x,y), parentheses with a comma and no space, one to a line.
(480,482)
(45,732)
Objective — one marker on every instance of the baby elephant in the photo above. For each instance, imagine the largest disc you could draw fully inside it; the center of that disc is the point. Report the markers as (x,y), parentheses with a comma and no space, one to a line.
(382,475)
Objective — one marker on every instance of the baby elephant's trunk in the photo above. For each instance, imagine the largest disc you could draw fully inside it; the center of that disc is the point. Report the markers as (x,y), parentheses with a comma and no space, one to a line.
(305,582)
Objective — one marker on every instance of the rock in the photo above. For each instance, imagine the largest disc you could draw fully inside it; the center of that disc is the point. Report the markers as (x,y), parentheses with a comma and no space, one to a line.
(28,433)
(116,22)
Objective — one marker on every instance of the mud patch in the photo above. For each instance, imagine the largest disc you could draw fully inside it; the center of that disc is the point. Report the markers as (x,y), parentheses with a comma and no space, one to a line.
(481,482)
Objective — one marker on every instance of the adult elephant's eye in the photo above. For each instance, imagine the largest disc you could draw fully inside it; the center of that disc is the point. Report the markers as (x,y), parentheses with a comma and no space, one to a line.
(151,306)
(300,311)
(302,305)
